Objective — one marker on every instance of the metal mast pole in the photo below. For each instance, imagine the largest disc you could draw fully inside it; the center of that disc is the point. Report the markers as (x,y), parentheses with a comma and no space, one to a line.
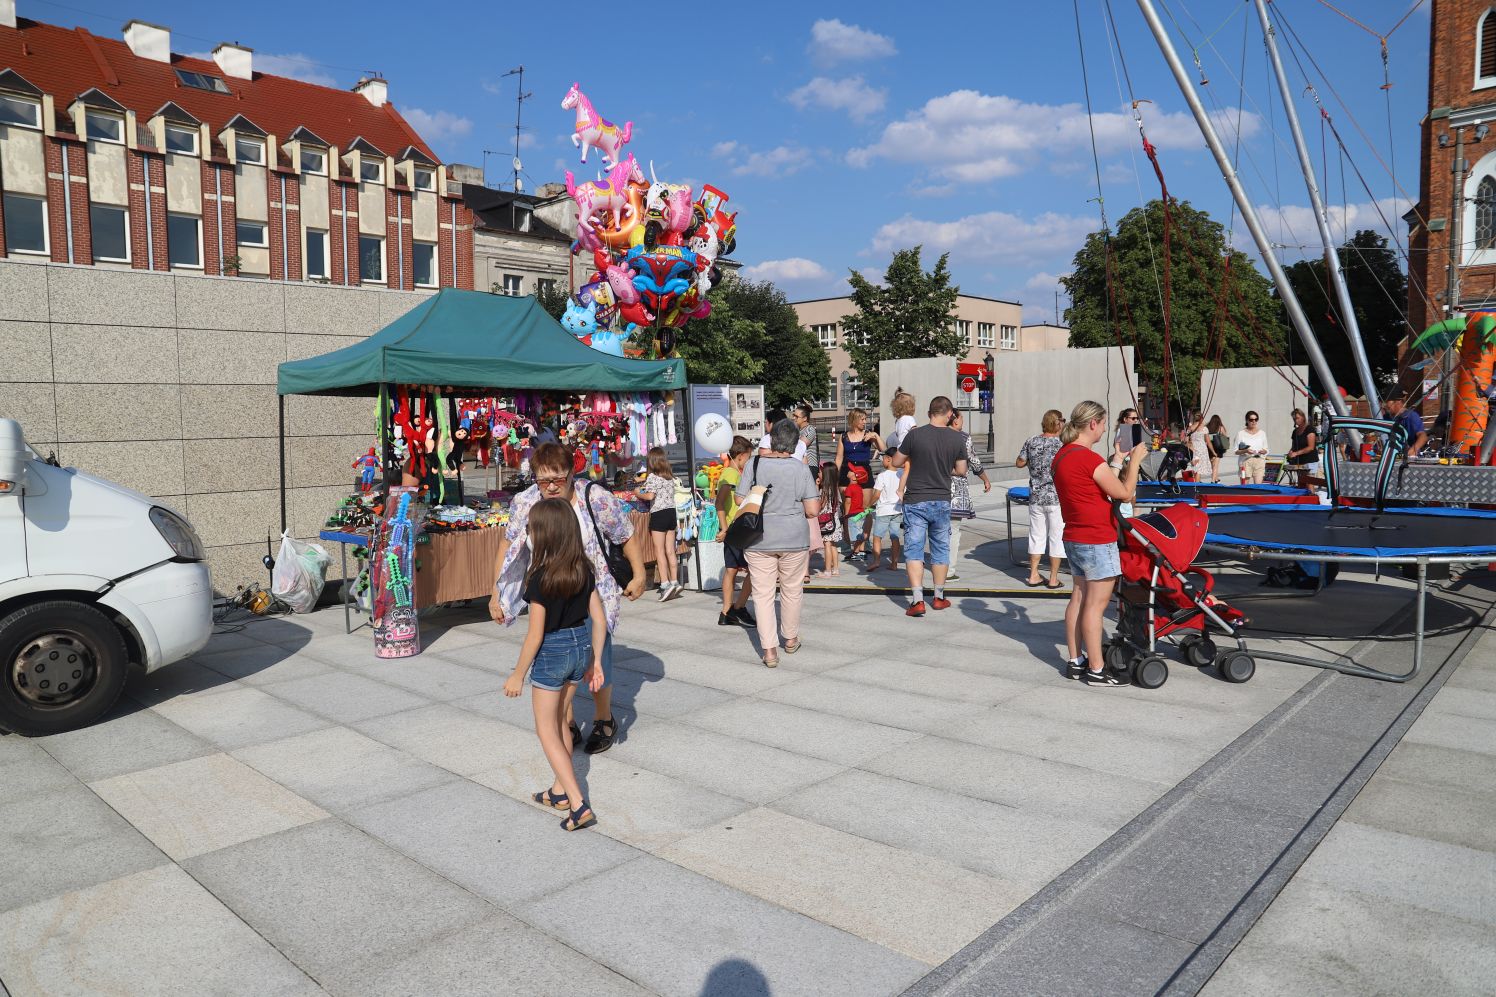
(1248,214)
(1332,258)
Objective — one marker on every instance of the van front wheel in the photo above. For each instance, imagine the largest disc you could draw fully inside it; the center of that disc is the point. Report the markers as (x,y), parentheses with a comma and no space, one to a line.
(62,666)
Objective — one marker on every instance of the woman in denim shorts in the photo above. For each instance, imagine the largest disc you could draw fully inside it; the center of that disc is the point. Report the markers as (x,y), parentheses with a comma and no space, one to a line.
(1087,487)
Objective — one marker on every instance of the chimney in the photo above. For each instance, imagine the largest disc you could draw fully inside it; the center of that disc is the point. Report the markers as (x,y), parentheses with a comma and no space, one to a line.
(235,60)
(149,41)
(8,13)
(375,90)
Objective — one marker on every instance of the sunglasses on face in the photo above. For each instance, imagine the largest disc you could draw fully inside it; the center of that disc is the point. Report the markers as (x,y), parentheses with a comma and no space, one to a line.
(553,482)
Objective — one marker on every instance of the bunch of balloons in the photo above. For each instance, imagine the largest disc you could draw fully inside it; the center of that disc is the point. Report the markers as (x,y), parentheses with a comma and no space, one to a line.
(653,249)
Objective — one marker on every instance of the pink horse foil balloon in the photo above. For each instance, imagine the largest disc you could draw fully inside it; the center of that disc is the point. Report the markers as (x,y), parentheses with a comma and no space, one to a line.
(596,196)
(593,131)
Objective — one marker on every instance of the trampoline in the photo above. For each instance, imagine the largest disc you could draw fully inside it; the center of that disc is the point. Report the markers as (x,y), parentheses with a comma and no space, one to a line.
(1325,535)
(1154,493)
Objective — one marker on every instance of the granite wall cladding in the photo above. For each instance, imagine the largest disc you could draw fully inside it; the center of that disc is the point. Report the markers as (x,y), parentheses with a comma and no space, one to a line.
(165,383)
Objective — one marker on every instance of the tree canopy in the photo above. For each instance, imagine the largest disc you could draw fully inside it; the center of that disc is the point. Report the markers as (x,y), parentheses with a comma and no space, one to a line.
(1379,294)
(908,316)
(1213,323)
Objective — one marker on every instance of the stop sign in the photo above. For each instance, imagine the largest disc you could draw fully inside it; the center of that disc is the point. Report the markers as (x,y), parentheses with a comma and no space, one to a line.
(968,384)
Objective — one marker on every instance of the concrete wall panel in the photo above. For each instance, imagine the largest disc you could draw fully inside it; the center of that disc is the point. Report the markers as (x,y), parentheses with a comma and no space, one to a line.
(23,291)
(91,296)
(345,312)
(250,199)
(1230,392)
(25,351)
(316,416)
(308,508)
(107,181)
(22,162)
(236,517)
(101,413)
(228,465)
(226,303)
(254,262)
(213,356)
(105,354)
(314,211)
(34,406)
(315,461)
(228,411)
(423,217)
(925,378)
(371,213)
(152,468)
(299,347)
(1029,384)
(184,184)
(392,306)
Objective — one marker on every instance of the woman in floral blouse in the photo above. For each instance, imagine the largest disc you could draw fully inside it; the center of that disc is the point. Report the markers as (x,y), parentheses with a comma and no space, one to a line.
(1046,527)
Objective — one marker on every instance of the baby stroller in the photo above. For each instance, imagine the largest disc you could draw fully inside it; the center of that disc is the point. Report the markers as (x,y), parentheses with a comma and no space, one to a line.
(1176,460)
(1161,595)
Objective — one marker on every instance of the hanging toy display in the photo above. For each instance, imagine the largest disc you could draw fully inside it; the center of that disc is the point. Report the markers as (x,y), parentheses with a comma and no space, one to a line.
(653,249)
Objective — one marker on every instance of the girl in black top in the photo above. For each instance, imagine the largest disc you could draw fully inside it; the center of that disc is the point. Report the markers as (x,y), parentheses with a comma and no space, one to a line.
(564,645)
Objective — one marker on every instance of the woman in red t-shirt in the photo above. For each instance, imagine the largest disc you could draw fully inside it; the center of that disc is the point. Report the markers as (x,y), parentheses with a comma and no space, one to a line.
(1087,487)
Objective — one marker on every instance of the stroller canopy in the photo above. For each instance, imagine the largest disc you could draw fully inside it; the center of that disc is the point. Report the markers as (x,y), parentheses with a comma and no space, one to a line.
(1175,531)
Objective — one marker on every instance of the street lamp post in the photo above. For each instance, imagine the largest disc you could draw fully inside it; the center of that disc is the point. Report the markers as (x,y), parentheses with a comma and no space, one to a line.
(989,363)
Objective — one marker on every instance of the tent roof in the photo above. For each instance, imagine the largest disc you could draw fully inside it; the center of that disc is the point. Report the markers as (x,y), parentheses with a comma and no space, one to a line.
(473,339)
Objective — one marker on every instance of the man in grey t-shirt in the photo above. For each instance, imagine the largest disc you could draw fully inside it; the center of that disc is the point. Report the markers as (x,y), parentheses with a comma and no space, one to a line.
(930,454)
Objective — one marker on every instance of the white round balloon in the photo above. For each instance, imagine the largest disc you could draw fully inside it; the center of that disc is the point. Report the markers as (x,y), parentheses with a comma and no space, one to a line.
(713,433)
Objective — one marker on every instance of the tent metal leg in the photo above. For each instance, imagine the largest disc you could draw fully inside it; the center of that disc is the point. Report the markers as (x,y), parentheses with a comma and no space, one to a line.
(281,405)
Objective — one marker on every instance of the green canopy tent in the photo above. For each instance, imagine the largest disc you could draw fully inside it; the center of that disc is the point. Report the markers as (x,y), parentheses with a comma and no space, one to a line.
(469,339)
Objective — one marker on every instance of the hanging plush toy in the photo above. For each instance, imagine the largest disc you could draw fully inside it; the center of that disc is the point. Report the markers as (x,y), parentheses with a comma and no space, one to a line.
(367,467)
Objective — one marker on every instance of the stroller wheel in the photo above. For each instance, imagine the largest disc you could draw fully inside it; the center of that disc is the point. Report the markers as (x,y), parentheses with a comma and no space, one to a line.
(1236,666)
(1150,672)
(1199,651)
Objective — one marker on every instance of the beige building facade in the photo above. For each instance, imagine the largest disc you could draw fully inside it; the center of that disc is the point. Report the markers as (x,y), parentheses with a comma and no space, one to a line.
(987,325)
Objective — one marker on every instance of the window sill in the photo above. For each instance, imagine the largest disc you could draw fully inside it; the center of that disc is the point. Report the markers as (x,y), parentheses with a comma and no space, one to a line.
(187,266)
(31,252)
(108,259)
(376,283)
(427,287)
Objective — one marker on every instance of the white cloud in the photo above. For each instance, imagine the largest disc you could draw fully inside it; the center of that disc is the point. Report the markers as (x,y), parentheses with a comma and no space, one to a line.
(851,94)
(873,275)
(293,65)
(833,41)
(794,269)
(968,136)
(780,161)
(1294,225)
(437,126)
(995,236)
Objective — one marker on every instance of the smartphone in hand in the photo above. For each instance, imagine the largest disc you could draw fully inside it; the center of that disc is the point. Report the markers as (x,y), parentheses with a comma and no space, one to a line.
(1137,434)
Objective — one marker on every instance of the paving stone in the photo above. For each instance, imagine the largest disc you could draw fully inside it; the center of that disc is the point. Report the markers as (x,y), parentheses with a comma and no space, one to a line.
(805,732)
(179,680)
(346,698)
(238,717)
(27,769)
(905,710)
(916,905)
(1048,787)
(340,768)
(1316,939)
(1024,849)
(928,680)
(127,740)
(1073,702)
(434,679)
(1293,772)
(1431,765)
(678,933)
(635,692)
(727,765)
(505,851)
(1464,818)
(737,677)
(497,957)
(153,932)
(203,804)
(66,839)
(454,739)
(1447,730)
(263,665)
(1479,704)
(1447,879)
(334,900)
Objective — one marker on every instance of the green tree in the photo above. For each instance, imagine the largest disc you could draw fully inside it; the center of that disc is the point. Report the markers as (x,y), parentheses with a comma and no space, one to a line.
(552,297)
(908,316)
(1379,293)
(795,367)
(725,347)
(1213,323)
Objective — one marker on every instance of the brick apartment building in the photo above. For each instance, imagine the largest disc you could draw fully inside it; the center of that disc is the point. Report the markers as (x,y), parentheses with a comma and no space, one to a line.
(1456,199)
(123,154)
(988,326)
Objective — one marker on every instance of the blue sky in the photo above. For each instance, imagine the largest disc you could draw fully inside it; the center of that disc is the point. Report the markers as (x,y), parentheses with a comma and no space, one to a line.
(850,131)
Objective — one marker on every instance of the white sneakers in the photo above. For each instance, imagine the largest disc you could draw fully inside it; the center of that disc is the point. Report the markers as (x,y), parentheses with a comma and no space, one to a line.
(670,590)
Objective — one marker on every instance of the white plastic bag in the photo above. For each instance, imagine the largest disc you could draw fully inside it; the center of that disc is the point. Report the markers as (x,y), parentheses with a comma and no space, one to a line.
(300,572)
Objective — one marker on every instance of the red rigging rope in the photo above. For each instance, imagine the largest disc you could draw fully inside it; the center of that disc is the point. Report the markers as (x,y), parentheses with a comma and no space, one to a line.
(1168,302)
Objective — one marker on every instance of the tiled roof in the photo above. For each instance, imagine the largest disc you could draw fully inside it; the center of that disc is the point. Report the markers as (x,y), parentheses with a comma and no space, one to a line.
(491,211)
(66,62)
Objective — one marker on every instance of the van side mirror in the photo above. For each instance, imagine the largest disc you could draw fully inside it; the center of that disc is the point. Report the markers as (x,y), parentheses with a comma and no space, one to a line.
(13,457)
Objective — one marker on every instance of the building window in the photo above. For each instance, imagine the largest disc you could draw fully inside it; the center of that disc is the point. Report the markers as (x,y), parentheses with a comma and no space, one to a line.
(316,253)
(370,170)
(1485,50)
(825,335)
(314,161)
(251,234)
(423,258)
(425,178)
(249,151)
(513,285)
(184,242)
(545,285)
(828,401)
(962,328)
(201,81)
(181,139)
(20,111)
(1485,214)
(1009,337)
(371,259)
(25,223)
(984,334)
(109,226)
(104,127)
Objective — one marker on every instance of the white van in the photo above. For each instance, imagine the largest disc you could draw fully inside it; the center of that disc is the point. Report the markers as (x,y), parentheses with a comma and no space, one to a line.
(93,577)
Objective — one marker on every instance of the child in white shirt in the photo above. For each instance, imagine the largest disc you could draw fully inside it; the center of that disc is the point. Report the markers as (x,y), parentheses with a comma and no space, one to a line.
(887,513)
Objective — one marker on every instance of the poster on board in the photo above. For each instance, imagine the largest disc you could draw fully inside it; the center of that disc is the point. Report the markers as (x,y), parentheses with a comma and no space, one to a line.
(711,422)
(747,405)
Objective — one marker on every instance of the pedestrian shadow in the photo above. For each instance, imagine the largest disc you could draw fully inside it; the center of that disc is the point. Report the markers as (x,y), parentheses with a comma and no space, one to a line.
(736,978)
(1011,620)
(632,670)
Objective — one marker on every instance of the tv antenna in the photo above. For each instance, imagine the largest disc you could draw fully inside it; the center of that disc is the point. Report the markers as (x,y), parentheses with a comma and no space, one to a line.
(519,106)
